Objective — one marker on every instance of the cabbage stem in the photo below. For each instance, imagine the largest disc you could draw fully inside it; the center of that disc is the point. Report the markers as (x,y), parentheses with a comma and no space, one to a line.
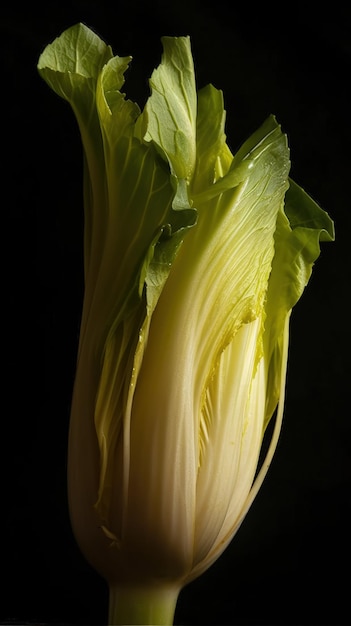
(142,605)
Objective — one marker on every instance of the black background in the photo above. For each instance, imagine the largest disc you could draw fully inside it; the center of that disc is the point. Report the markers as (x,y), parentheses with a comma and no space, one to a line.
(290,561)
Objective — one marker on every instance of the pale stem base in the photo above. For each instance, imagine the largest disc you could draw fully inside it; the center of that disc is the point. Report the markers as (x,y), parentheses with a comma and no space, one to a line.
(142,605)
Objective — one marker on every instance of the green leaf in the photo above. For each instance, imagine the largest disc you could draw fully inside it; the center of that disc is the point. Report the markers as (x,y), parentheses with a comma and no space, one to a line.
(71,65)
(171,109)
(213,157)
(301,225)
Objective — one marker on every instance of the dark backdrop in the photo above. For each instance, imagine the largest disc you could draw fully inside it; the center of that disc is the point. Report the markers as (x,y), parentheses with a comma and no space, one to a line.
(289,563)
